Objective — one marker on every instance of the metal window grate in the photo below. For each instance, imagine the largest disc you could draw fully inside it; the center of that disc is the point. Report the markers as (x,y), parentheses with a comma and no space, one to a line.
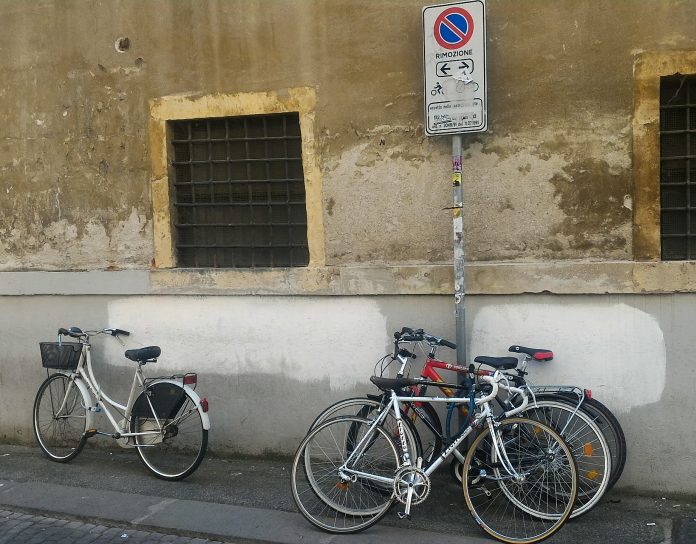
(239,193)
(678,167)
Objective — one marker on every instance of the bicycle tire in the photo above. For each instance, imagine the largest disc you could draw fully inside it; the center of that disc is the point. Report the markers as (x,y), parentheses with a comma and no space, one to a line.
(610,427)
(606,421)
(369,408)
(338,504)
(522,511)
(59,427)
(177,443)
(586,441)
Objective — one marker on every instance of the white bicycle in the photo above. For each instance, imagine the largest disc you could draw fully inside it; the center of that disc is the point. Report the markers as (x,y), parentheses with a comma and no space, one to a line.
(164,419)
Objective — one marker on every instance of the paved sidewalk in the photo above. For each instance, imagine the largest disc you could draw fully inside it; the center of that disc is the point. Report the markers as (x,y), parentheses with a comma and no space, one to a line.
(249,499)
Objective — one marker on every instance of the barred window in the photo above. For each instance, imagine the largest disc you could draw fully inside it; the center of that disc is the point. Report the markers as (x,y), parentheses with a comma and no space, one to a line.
(238,192)
(678,167)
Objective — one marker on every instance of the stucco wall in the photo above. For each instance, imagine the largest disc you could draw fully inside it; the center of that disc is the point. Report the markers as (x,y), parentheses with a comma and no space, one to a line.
(550,180)
(269,365)
(549,198)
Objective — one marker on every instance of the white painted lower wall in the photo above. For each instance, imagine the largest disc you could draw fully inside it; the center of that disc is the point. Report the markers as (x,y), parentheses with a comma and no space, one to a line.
(269,364)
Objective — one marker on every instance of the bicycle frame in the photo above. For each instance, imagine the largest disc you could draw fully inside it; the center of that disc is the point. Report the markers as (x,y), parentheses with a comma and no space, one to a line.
(394,405)
(84,378)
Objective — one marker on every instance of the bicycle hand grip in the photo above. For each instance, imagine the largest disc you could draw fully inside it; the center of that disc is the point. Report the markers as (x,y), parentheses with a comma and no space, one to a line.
(448,344)
(404,330)
(74,332)
(116,332)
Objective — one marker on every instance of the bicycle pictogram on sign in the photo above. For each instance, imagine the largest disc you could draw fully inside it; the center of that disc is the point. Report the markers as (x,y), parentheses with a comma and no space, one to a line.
(454,27)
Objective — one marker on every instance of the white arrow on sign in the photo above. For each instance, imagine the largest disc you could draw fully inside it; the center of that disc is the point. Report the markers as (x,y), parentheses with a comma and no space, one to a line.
(454,68)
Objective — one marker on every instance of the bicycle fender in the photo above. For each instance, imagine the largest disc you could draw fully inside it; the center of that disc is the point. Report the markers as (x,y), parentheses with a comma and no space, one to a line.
(88,399)
(205,420)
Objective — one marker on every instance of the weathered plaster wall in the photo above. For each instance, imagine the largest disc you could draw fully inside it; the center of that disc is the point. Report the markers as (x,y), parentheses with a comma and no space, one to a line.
(269,364)
(551,179)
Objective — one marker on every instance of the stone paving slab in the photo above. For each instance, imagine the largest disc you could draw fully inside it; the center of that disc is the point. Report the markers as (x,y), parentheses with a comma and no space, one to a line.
(225,521)
(21,528)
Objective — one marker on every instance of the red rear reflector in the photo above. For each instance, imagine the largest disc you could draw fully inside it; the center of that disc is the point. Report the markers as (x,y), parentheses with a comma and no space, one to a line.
(204,404)
(190,379)
(588,393)
(544,356)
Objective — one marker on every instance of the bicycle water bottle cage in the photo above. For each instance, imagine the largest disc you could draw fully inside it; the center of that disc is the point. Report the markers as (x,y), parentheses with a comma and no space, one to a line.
(538,354)
(504,363)
(144,355)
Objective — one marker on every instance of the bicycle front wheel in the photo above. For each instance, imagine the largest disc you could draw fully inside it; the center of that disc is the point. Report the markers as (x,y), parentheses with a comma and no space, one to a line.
(60,418)
(520,484)
(343,474)
(171,441)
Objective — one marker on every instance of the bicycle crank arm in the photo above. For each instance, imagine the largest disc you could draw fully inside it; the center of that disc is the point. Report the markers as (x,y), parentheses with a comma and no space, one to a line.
(406,514)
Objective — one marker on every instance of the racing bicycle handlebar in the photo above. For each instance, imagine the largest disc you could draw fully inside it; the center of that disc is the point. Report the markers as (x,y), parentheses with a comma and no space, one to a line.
(408,334)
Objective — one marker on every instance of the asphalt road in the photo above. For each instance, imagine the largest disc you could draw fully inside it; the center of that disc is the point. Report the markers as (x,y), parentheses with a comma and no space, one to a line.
(263,483)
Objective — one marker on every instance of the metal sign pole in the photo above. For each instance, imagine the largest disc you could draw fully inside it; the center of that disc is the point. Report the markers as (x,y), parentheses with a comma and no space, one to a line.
(455,91)
(458,225)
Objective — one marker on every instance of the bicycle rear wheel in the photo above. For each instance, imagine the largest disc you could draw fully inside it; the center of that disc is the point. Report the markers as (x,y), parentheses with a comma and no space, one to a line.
(587,443)
(343,474)
(614,434)
(174,441)
(608,425)
(60,418)
(528,508)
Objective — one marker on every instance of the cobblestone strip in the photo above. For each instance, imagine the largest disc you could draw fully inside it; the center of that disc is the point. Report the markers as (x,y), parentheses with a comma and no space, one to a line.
(17,528)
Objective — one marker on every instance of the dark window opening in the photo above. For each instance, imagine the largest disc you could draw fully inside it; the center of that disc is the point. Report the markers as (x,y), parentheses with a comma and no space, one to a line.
(238,192)
(678,167)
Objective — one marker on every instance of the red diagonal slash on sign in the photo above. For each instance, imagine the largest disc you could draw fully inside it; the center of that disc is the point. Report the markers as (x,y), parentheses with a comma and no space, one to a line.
(453,19)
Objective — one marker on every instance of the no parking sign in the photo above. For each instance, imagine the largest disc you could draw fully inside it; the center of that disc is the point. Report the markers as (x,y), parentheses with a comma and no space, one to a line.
(454,64)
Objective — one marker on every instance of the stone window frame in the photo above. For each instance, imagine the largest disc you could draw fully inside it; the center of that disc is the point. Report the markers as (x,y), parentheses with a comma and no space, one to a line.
(649,67)
(184,107)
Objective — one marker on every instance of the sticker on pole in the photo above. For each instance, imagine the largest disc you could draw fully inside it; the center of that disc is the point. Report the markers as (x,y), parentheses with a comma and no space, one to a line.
(454,63)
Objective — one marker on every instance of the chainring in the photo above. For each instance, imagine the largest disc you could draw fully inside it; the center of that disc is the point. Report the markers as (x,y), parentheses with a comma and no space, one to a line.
(411,477)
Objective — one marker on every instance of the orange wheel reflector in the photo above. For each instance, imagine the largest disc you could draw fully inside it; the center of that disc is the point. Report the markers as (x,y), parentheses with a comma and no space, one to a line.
(592,474)
(588,449)
(537,430)
(343,486)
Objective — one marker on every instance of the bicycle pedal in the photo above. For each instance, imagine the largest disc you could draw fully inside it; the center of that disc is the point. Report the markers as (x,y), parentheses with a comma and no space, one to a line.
(404,515)
(89,433)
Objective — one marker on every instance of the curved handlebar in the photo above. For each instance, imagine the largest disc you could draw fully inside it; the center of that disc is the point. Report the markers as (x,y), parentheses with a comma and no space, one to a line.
(525,400)
(407,334)
(493,382)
